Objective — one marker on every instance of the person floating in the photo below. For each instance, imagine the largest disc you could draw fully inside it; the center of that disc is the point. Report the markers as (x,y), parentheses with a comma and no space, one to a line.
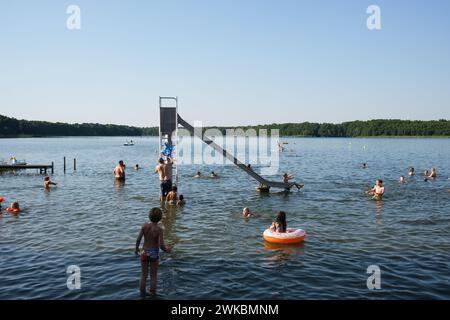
(213,175)
(377,191)
(426,173)
(136,167)
(402,179)
(164,170)
(153,241)
(198,174)
(172,196)
(279,225)
(364,165)
(411,171)
(48,183)
(119,171)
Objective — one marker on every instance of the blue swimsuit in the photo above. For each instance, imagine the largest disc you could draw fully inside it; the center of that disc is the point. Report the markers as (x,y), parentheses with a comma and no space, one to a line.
(150,255)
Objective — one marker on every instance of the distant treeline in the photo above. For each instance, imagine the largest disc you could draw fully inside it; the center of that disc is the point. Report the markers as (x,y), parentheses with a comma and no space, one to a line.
(360,128)
(10,127)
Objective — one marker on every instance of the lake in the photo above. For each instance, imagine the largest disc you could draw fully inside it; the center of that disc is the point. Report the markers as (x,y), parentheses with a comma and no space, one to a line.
(91,222)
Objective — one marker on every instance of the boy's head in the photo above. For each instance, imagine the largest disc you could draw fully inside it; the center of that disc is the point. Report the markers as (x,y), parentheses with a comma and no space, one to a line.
(46,178)
(121,162)
(246,211)
(155,215)
(161,161)
(174,188)
(181,197)
(379,182)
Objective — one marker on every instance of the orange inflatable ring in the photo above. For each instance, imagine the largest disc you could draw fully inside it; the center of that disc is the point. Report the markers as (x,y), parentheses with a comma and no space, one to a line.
(289,237)
(11,210)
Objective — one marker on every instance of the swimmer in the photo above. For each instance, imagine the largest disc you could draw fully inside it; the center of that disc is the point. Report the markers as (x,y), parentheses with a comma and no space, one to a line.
(411,171)
(1,200)
(153,241)
(172,197)
(426,173)
(364,165)
(213,175)
(402,179)
(247,214)
(181,202)
(198,174)
(378,190)
(119,171)
(14,206)
(433,173)
(48,183)
(279,225)
(136,167)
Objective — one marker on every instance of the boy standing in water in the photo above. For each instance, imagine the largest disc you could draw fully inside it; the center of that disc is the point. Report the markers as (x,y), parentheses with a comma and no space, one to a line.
(153,241)
(378,190)
(48,183)
(119,171)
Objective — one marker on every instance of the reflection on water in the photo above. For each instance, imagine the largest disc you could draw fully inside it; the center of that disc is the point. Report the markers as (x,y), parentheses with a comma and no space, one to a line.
(281,254)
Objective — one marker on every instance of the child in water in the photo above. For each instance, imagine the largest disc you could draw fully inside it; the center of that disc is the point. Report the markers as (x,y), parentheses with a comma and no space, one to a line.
(402,179)
(411,171)
(433,173)
(198,174)
(181,201)
(378,190)
(48,183)
(172,196)
(153,241)
(213,175)
(279,225)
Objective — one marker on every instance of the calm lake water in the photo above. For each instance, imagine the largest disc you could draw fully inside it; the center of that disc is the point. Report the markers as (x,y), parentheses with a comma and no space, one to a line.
(90,222)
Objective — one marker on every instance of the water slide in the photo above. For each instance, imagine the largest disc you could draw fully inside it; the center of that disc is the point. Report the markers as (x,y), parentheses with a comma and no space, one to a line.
(242,166)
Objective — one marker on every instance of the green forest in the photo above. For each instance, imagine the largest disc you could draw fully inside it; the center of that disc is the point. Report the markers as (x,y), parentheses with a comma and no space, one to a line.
(10,127)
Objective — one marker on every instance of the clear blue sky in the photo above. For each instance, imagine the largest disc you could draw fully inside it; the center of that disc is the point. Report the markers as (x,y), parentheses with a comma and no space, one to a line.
(230,62)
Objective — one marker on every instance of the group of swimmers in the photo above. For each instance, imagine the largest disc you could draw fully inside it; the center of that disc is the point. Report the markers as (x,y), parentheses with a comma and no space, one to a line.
(14,206)
(377,191)
(213,175)
(426,174)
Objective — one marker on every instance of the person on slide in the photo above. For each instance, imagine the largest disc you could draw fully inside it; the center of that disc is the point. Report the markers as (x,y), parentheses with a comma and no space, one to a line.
(286,179)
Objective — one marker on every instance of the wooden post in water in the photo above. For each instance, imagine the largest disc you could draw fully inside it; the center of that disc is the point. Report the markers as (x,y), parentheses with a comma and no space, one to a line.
(53,166)
(64,164)
(74,164)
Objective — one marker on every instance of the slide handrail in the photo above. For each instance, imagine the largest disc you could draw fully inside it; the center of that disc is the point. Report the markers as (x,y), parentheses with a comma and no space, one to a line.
(226,154)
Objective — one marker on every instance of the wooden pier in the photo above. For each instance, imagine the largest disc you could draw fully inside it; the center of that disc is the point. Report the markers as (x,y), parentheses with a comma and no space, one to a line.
(41,167)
